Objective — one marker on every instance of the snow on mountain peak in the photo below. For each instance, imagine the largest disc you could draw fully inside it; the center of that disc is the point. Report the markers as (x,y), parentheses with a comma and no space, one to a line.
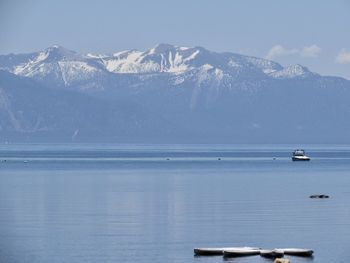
(98,56)
(60,66)
(267,66)
(181,64)
(292,72)
(161,58)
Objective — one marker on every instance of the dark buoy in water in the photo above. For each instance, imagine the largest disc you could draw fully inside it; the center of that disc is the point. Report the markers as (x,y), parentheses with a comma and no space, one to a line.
(322,196)
(219,159)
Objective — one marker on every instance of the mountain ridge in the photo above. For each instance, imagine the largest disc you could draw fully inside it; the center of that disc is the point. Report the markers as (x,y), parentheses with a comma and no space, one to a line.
(185,54)
(63,67)
(168,93)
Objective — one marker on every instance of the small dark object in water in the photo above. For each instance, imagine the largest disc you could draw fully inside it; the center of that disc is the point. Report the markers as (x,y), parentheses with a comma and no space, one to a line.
(319,196)
(274,253)
(219,159)
(167,159)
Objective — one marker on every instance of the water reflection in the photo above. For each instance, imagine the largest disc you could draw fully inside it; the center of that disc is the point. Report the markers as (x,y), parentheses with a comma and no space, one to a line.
(158,211)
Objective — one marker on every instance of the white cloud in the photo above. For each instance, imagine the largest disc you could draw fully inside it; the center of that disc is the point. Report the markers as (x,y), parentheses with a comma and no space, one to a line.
(343,57)
(278,51)
(310,51)
(307,51)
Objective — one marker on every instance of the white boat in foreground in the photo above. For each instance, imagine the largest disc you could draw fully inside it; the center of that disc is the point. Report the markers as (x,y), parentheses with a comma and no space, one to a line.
(299,155)
(302,252)
(241,252)
(211,251)
(271,253)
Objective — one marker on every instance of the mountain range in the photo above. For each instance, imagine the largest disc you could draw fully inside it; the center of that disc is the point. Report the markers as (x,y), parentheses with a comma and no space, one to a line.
(168,94)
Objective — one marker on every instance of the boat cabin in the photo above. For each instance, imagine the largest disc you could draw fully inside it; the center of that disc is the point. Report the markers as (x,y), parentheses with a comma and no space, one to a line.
(299,153)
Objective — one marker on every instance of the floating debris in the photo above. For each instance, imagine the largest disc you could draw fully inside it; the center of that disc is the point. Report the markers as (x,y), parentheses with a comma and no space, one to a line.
(319,196)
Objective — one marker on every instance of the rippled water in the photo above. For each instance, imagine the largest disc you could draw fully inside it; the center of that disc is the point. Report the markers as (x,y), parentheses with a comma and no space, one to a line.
(113,203)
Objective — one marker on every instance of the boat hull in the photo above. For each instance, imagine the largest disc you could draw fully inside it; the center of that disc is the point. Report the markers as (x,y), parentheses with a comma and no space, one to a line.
(297,158)
(218,251)
(208,252)
(272,253)
(241,252)
(297,252)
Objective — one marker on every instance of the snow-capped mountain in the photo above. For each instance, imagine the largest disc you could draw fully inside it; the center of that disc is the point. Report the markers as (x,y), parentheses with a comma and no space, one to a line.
(168,93)
(58,66)
(178,60)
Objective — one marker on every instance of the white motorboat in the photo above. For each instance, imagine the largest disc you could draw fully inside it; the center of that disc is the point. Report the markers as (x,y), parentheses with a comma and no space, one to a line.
(299,155)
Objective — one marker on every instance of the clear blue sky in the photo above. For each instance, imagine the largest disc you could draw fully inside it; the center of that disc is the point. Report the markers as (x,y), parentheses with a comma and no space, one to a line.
(313,33)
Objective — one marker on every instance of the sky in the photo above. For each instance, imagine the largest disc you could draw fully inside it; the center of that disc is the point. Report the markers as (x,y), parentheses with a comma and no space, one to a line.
(312,33)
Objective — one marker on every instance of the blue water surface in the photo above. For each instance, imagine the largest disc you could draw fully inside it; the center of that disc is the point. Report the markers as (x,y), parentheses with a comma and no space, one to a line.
(81,203)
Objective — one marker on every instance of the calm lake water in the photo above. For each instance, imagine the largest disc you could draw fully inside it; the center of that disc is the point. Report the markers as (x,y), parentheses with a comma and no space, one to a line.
(103,203)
